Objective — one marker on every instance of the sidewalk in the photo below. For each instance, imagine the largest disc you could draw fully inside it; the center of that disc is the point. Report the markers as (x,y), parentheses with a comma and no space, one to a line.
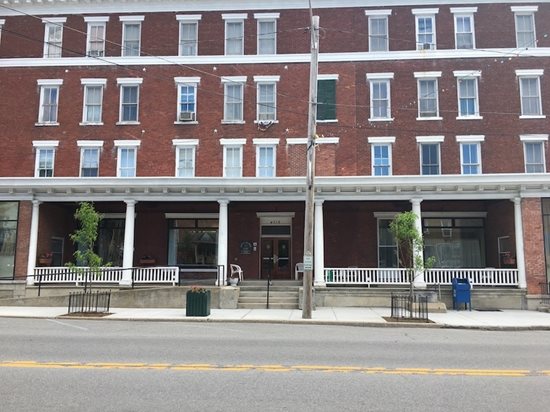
(499,320)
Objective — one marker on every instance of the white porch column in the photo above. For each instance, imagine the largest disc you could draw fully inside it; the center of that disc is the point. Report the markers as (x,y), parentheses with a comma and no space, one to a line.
(520,257)
(319,245)
(128,254)
(33,242)
(419,281)
(223,239)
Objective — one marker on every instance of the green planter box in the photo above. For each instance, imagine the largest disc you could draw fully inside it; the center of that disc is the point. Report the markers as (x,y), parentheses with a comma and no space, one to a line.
(198,303)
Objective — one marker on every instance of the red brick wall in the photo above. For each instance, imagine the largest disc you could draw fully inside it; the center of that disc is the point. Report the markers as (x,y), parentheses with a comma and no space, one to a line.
(535,268)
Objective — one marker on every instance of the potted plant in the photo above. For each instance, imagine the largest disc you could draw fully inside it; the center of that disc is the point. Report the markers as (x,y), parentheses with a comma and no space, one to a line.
(45,259)
(197,301)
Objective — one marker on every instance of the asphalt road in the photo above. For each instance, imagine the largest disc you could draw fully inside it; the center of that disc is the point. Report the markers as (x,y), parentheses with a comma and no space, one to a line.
(70,365)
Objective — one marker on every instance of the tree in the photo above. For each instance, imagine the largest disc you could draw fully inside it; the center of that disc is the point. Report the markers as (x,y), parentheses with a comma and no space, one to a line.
(410,247)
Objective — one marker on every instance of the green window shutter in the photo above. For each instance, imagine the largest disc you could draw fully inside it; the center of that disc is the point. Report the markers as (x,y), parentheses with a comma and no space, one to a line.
(326,100)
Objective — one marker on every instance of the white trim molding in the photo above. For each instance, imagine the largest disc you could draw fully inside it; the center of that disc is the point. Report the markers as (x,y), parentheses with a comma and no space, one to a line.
(384,12)
(467,73)
(232,142)
(129,80)
(524,9)
(463,10)
(270,16)
(185,142)
(96,19)
(327,77)
(470,138)
(89,143)
(127,143)
(188,17)
(421,12)
(233,79)
(529,72)
(265,141)
(45,143)
(131,18)
(49,82)
(533,137)
(426,75)
(234,16)
(98,82)
(381,140)
(380,76)
(267,78)
(430,139)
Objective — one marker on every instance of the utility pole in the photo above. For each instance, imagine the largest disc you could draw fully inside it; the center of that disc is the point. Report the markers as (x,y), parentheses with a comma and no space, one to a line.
(307,301)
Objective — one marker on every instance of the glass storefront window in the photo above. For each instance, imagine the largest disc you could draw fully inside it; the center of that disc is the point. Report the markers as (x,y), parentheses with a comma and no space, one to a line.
(193,242)
(387,247)
(8,234)
(110,243)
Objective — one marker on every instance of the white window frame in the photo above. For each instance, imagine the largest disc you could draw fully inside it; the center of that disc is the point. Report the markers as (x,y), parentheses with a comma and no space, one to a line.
(266,18)
(190,19)
(185,144)
(123,82)
(233,81)
(45,84)
(92,83)
(126,145)
(428,76)
(380,78)
(468,75)
(130,20)
(85,145)
(266,80)
(270,144)
(459,12)
(530,75)
(534,139)
(189,82)
(40,146)
(425,14)
(96,21)
(232,144)
(387,141)
(378,15)
(470,140)
(431,140)
(49,46)
(525,11)
(2,22)
(232,18)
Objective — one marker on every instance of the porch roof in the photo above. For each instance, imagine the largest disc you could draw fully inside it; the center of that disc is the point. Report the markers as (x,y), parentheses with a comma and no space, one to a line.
(333,188)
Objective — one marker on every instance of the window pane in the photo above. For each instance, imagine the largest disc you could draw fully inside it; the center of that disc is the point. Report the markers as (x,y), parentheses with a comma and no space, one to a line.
(530,99)
(266,162)
(96,45)
(131,40)
(93,104)
(380,104)
(186,162)
(129,103)
(233,102)
(127,162)
(8,233)
(234,38)
(534,158)
(233,167)
(266,101)
(464,33)
(187,98)
(525,30)
(188,39)
(427,98)
(90,162)
(430,159)
(381,160)
(266,37)
(378,34)
(326,100)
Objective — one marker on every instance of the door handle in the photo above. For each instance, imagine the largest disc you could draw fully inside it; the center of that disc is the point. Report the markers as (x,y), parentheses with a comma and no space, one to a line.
(275,259)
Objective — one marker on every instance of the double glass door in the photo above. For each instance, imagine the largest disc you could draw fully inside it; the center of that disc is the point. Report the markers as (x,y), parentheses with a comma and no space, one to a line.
(275,259)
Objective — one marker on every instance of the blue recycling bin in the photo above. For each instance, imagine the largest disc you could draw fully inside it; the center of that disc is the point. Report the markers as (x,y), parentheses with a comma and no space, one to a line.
(462,293)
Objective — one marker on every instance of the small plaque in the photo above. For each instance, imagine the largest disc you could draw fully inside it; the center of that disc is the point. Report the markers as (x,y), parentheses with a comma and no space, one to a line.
(308,262)
(245,248)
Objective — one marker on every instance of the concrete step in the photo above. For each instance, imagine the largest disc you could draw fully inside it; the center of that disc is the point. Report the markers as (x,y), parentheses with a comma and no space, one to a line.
(263,283)
(271,294)
(254,299)
(271,290)
(263,305)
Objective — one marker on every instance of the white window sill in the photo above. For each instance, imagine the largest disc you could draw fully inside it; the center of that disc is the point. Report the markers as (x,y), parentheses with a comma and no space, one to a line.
(429,118)
(127,123)
(233,122)
(327,121)
(46,124)
(193,122)
(469,117)
(265,121)
(90,124)
(386,119)
(539,116)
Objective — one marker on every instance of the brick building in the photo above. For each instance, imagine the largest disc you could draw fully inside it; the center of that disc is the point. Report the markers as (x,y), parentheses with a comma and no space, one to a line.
(186,125)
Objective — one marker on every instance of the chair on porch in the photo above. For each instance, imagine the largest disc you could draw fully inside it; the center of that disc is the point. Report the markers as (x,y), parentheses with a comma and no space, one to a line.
(236,272)
(298,269)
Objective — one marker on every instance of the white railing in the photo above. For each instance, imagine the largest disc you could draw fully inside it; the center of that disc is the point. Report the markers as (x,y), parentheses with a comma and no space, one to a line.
(79,275)
(397,276)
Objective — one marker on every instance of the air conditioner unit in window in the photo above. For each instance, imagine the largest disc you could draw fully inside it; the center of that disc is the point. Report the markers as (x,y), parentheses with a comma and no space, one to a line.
(426,46)
(186,116)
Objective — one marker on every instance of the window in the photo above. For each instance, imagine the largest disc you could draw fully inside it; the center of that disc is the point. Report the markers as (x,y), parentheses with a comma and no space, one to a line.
(267,32)
(89,157)
(93,100)
(187,99)
(131,35)
(129,100)
(533,150)
(266,157)
(387,246)
(53,36)
(425,28)
(428,95)
(468,106)
(429,154)
(470,154)
(95,45)
(45,157)
(525,26)
(380,96)
(378,30)
(381,155)
(234,33)
(193,241)
(189,34)
(266,98)
(232,157)
(2,22)
(326,98)
(529,90)
(8,235)
(464,27)
(233,99)
(126,157)
(49,100)
(185,157)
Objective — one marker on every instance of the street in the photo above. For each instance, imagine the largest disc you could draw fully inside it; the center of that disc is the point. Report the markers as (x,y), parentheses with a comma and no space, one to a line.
(88,365)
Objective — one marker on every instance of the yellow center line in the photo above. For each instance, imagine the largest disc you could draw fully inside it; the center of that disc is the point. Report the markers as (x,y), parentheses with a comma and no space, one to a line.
(275,368)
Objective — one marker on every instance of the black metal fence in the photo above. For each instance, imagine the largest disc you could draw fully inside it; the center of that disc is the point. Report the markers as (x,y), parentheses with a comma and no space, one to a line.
(405,307)
(545,293)
(89,302)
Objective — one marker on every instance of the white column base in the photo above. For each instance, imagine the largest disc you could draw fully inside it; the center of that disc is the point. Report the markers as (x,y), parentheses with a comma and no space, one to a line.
(420,284)
(319,283)
(126,281)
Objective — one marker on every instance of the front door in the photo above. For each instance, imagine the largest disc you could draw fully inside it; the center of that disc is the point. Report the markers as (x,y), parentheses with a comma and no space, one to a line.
(275,258)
